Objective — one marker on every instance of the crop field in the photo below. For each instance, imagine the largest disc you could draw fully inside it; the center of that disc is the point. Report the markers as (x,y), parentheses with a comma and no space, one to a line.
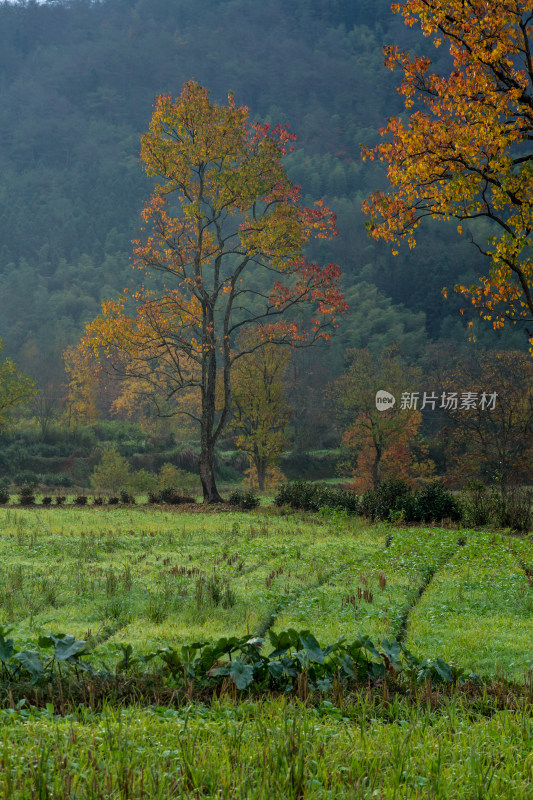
(146,589)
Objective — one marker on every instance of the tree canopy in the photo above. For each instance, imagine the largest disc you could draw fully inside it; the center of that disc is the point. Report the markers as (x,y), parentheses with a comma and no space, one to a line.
(222,203)
(465,151)
(15,388)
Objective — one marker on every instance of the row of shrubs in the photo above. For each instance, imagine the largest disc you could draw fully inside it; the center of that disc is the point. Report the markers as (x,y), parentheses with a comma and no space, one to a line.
(169,497)
(393,501)
(244,500)
(26,497)
(309,496)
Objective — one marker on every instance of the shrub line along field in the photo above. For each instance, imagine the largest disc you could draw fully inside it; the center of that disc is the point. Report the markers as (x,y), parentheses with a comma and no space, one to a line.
(138,579)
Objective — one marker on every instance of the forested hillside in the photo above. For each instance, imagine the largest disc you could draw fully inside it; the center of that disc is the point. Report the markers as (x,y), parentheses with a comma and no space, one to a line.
(77,84)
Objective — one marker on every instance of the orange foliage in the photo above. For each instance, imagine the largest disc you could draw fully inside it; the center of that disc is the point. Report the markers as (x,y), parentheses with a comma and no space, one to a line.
(465,150)
(222,207)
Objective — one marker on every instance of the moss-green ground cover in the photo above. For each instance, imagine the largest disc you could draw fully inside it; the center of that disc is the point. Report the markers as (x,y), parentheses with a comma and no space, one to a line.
(151,577)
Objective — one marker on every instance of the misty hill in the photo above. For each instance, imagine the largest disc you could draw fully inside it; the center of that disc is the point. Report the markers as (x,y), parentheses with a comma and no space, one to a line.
(77,83)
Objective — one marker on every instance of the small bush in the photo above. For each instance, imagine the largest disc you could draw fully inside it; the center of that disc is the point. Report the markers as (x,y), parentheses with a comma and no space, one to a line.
(246,501)
(345,499)
(434,503)
(60,499)
(309,496)
(80,500)
(513,508)
(113,501)
(391,496)
(47,501)
(300,494)
(477,504)
(169,496)
(4,496)
(395,501)
(126,498)
(26,496)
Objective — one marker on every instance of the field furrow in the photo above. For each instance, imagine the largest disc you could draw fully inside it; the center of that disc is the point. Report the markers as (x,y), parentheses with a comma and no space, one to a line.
(373,590)
(478,611)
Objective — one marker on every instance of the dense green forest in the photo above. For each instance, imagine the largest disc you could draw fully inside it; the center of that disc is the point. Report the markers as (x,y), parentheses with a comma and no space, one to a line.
(77,84)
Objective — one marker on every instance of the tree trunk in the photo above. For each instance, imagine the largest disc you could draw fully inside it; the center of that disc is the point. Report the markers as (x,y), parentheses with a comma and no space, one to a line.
(207,475)
(376,472)
(261,467)
(207,422)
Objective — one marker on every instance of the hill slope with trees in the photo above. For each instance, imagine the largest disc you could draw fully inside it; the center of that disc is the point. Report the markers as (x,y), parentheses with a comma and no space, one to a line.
(77,85)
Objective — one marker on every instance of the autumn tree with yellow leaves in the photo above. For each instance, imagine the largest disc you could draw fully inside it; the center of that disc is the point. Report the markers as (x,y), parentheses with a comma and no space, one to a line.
(260,411)
(225,237)
(15,388)
(465,151)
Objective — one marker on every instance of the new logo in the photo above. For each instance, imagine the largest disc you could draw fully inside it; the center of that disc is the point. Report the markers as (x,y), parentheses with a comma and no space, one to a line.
(384,400)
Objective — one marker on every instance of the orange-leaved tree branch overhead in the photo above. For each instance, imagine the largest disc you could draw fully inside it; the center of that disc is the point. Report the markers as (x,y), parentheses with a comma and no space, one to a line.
(466,150)
(225,230)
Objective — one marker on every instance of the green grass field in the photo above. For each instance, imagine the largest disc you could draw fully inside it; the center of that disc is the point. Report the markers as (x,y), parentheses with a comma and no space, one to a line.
(153,578)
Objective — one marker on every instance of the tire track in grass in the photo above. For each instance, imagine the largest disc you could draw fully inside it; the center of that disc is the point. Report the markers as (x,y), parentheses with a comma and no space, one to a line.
(270,620)
(377,601)
(427,578)
(362,545)
(478,612)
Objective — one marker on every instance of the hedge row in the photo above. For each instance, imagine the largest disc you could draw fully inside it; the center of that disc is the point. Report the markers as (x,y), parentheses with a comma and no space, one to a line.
(393,501)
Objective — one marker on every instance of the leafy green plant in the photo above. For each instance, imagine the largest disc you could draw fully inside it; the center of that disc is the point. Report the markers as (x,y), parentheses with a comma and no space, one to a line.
(390,496)
(169,496)
(476,503)
(309,496)
(126,498)
(395,501)
(245,501)
(27,496)
(434,503)
(15,663)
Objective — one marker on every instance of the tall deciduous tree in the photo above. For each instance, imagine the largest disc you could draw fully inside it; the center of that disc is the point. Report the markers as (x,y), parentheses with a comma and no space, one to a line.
(15,388)
(491,438)
(227,232)
(379,443)
(83,387)
(466,150)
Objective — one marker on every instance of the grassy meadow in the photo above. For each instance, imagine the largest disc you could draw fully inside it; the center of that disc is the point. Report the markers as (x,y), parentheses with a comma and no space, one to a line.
(155,578)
